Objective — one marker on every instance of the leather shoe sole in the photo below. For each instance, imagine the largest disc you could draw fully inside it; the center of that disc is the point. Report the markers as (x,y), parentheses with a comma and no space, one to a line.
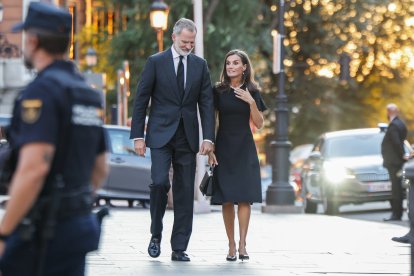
(154,248)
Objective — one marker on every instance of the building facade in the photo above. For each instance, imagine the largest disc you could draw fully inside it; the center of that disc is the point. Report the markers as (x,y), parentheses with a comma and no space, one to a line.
(92,14)
(13,74)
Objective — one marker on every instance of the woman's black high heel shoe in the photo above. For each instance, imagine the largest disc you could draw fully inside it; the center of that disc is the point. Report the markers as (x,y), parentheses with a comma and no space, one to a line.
(243,257)
(232,258)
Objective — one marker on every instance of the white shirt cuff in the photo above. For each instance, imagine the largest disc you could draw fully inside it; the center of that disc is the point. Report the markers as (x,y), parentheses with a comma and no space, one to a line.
(206,140)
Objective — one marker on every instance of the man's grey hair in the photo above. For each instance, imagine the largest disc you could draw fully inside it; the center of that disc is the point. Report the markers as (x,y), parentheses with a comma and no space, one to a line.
(182,24)
(392,107)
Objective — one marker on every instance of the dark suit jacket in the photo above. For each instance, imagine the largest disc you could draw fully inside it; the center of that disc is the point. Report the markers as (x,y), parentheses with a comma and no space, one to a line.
(392,147)
(159,82)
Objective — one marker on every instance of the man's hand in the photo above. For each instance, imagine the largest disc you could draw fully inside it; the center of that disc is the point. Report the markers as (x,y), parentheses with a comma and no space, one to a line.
(2,248)
(206,148)
(212,160)
(140,147)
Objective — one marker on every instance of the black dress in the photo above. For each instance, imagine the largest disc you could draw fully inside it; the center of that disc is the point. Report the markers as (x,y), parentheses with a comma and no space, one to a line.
(237,176)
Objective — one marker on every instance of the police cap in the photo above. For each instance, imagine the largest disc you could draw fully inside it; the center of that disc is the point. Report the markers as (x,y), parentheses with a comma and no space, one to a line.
(46,17)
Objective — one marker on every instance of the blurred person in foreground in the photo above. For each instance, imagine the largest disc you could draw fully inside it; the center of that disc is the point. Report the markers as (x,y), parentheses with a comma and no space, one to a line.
(57,134)
(237,175)
(393,154)
(176,81)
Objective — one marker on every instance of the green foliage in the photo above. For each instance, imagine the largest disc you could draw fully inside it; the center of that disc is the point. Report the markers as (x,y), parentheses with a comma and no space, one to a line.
(317,32)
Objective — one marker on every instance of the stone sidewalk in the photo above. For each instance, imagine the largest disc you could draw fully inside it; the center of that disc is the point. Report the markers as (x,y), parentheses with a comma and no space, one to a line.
(281,244)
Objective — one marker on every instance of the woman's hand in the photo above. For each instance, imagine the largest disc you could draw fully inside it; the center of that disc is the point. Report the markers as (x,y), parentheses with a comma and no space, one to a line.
(212,160)
(244,95)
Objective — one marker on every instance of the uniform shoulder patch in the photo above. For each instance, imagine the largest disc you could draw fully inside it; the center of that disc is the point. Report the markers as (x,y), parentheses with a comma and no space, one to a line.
(31,110)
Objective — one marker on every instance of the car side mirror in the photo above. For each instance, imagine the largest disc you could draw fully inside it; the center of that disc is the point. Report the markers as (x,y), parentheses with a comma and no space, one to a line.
(315,156)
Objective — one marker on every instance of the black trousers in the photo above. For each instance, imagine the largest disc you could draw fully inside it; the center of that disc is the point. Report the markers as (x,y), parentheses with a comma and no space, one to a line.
(178,152)
(65,253)
(397,192)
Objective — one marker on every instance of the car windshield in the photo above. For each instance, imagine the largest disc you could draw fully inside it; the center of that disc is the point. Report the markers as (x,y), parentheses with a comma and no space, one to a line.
(121,144)
(354,145)
(4,120)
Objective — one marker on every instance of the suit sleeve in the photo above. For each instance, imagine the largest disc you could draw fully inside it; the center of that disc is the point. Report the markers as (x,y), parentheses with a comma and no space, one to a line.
(142,97)
(206,105)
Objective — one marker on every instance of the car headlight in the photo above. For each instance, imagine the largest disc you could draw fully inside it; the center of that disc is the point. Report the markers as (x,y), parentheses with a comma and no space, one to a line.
(335,173)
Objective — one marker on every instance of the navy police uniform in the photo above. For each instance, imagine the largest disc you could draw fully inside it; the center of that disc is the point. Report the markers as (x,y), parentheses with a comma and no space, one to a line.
(58,108)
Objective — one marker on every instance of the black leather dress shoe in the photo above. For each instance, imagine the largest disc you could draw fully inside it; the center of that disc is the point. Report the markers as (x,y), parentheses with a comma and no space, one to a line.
(154,248)
(404,239)
(179,256)
(392,218)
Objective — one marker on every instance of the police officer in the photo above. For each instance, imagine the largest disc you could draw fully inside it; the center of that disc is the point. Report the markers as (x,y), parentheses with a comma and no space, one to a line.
(56,129)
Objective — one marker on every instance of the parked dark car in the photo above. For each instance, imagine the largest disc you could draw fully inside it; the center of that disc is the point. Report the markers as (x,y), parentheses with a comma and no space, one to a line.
(345,167)
(130,175)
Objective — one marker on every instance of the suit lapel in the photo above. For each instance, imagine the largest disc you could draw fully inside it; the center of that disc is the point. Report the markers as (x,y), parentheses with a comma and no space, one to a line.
(170,71)
(189,77)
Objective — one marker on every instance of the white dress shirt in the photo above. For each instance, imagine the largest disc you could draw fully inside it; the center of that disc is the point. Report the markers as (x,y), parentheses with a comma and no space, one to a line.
(176,59)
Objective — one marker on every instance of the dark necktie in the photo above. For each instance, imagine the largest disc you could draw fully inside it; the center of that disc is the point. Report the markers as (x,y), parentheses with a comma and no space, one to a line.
(180,76)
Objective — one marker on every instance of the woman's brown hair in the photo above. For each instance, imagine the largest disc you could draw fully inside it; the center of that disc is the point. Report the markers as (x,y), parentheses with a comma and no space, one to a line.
(248,74)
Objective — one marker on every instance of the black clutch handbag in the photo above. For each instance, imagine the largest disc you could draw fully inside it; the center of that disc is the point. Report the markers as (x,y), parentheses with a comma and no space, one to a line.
(206,185)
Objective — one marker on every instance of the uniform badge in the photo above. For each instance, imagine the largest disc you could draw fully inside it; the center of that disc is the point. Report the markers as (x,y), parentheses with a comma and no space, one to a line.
(31,110)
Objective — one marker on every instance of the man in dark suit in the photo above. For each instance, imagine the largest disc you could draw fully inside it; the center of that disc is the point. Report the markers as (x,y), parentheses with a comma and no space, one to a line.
(392,149)
(176,81)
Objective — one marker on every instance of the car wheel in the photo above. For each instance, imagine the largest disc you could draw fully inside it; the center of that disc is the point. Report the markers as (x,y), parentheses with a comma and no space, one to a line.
(310,206)
(145,204)
(330,206)
(97,202)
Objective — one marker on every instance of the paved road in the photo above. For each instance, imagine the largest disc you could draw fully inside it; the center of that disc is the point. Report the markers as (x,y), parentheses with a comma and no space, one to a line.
(278,245)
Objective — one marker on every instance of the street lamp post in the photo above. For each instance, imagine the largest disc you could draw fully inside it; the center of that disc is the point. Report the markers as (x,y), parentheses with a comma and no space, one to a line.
(120,99)
(91,58)
(95,80)
(280,192)
(159,20)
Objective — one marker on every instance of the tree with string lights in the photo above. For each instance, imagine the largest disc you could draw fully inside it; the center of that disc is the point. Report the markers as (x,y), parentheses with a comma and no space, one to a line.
(371,41)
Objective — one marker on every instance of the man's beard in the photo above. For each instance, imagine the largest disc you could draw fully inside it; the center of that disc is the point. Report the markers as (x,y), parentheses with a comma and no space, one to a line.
(28,63)
(180,51)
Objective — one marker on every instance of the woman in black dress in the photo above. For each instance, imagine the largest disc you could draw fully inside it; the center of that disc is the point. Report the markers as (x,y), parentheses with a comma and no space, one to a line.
(237,175)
